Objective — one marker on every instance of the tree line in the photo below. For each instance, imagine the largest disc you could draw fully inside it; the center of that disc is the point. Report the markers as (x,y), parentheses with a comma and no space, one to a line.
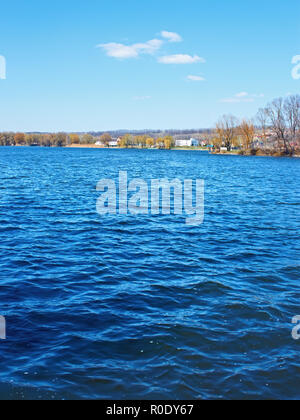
(46,140)
(145,141)
(275,129)
(277,126)
(63,139)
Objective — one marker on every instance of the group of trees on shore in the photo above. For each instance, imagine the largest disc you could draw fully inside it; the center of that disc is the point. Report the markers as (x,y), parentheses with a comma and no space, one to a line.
(21,139)
(49,140)
(275,129)
(63,139)
(277,126)
(145,141)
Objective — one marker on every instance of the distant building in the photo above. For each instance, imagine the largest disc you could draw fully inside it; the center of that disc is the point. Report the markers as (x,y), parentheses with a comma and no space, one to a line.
(182,143)
(187,143)
(111,143)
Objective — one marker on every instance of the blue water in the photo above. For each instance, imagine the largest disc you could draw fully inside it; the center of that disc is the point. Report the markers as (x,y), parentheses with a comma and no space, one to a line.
(144,307)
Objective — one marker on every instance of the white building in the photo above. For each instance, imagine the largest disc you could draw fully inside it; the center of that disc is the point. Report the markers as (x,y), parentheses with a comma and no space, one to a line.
(187,143)
(111,143)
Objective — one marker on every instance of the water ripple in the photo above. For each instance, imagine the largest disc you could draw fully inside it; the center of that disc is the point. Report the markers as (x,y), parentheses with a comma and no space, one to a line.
(145,307)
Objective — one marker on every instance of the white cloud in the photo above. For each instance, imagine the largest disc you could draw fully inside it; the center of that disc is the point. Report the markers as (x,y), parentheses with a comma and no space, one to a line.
(236,100)
(118,50)
(149,47)
(171,36)
(242,97)
(123,51)
(196,78)
(181,59)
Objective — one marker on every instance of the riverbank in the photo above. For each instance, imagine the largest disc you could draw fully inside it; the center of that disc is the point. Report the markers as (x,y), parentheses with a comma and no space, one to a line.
(88,146)
(94,146)
(193,149)
(258,154)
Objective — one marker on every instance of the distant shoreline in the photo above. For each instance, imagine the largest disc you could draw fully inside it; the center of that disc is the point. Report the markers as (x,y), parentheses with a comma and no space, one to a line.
(94,146)
(186,149)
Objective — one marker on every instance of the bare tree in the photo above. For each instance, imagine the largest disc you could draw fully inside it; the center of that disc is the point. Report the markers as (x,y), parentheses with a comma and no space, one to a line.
(247,131)
(292,115)
(262,119)
(277,116)
(226,130)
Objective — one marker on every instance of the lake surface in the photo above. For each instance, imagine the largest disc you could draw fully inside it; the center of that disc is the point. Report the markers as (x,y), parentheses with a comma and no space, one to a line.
(145,307)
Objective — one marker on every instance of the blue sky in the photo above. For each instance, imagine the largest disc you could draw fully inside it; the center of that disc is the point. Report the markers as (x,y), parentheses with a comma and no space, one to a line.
(102,65)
